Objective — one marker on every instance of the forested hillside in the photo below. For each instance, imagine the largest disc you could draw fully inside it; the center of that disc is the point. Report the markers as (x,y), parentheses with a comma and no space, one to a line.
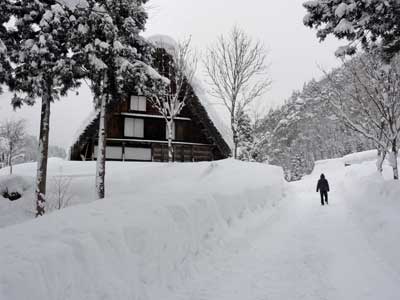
(305,129)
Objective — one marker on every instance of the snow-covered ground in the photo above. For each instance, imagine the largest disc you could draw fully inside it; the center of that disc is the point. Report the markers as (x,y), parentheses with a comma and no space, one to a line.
(140,243)
(221,230)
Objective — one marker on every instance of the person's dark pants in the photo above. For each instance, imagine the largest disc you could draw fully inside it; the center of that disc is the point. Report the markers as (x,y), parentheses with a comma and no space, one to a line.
(324,197)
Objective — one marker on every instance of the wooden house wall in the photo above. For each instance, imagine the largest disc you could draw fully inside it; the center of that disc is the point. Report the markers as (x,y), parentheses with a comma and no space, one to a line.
(155,128)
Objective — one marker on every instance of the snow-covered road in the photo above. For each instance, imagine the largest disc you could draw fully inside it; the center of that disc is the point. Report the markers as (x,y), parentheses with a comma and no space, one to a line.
(303,251)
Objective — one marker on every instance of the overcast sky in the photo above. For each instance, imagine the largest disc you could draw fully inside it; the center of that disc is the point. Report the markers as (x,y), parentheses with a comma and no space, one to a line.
(295,53)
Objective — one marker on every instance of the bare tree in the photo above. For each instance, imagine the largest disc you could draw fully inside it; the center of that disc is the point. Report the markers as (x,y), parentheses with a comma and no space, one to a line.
(238,73)
(60,195)
(180,72)
(13,134)
(366,96)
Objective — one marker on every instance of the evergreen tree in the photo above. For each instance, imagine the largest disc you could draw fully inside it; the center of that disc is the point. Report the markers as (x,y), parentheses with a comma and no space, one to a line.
(115,58)
(245,135)
(4,62)
(363,21)
(37,48)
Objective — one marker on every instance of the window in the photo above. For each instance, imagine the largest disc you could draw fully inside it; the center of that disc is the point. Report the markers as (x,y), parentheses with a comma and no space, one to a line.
(155,129)
(173,131)
(134,127)
(138,103)
(137,154)
(182,131)
(112,152)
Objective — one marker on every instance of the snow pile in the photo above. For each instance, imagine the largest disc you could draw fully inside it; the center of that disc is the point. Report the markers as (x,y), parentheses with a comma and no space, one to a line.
(371,198)
(12,212)
(374,200)
(142,242)
(14,183)
(360,157)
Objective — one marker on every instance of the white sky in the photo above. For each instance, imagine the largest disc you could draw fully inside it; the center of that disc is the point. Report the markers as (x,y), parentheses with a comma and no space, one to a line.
(295,53)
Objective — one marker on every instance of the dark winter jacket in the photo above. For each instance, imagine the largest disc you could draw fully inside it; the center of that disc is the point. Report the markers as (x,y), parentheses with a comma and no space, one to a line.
(323,184)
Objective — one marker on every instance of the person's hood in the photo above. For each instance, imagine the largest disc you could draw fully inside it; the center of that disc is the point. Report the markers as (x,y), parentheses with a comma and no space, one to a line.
(322,176)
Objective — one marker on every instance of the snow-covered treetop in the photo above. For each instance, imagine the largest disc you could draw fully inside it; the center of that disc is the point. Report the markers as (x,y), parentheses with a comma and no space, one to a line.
(106,41)
(364,21)
(36,47)
(72,4)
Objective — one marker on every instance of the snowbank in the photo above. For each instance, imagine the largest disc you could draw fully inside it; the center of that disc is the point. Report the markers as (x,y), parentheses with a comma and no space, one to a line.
(360,157)
(23,180)
(372,199)
(138,243)
(375,202)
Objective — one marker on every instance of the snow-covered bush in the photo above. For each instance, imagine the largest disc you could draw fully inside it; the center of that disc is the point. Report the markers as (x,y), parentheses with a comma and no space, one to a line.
(12,185)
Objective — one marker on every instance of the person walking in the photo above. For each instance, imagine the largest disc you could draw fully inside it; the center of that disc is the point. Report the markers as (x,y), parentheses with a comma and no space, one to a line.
(323,188)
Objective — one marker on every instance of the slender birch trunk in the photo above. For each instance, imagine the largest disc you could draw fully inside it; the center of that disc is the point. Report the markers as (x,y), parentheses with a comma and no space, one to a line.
(43,151)
(101,151)
(170,147)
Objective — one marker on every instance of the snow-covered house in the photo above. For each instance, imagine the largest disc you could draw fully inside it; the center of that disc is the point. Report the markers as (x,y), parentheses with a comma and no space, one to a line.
(137,132)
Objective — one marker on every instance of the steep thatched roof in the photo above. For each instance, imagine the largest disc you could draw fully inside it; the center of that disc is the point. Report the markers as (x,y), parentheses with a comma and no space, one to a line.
(198,104)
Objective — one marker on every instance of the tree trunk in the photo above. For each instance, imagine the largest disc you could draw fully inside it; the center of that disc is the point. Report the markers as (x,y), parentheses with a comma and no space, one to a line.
(170,147)
(235,143)
(381,159)
(394,160)
(235,136)
(10,159)
(101,151)
(43,151)
(382,152)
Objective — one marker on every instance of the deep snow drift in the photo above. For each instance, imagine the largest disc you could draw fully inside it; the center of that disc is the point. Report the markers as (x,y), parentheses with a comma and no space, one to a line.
(139,243)
(215,231)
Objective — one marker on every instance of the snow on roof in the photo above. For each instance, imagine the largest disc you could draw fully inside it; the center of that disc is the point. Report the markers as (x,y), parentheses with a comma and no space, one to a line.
(164,41)
(170,45)
(89,120)
(221,126)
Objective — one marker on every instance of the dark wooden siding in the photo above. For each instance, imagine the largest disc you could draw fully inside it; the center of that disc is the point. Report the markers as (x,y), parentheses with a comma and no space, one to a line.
(183,153)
